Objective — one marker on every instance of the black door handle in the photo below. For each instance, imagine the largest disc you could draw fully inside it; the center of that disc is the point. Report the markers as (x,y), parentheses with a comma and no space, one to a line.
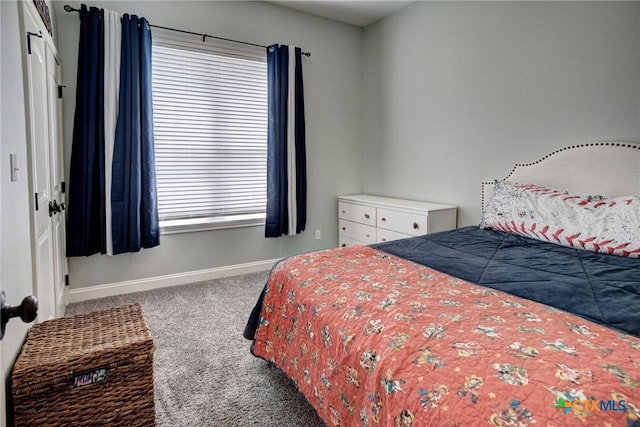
(53,207)
(27,311)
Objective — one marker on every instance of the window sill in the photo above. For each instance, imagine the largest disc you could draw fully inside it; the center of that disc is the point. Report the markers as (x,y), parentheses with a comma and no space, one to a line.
(206,224)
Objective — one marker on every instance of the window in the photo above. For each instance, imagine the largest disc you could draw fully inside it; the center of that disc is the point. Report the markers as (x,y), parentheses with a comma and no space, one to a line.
(210,131)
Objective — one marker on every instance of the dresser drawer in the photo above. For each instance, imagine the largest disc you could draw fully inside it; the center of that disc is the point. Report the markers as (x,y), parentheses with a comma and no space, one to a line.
(402,222)
(364,233)
(388,235)
(343,242)
(357,213)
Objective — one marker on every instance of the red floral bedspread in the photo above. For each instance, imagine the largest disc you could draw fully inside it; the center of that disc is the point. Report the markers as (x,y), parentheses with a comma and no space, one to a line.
(372,339)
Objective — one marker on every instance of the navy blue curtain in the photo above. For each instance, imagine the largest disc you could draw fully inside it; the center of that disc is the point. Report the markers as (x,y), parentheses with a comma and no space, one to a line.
(134,212)
(133,191)
(300,144)
(286,177)
(85,212)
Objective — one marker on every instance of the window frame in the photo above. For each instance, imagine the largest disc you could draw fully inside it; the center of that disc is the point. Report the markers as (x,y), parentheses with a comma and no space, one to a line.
(221,48)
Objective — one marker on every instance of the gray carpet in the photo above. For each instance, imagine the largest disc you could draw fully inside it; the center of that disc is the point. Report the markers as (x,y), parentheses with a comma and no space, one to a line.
(204,372)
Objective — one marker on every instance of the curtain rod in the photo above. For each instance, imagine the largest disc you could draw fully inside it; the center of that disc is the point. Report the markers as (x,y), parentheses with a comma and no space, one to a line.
(204,36)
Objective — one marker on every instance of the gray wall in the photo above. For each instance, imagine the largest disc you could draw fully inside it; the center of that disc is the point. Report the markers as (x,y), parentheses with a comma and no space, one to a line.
(15,249)
(333,92)
(457,92)
(424,104)
(16,277)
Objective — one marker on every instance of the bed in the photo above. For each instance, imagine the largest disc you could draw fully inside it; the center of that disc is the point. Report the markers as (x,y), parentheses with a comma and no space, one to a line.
(532,318)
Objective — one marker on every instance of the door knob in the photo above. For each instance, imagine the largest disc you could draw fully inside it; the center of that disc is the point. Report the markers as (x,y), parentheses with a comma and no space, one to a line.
(53,207)
(27,311)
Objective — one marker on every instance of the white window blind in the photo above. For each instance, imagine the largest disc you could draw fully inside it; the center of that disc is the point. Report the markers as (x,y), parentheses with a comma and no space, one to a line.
(210,130)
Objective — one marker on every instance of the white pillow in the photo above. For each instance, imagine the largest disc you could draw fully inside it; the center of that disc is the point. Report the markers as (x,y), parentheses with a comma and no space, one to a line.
(594,223)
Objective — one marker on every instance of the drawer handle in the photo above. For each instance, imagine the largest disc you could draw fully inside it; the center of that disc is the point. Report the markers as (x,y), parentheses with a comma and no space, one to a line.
(344,228)
(367,235)
(343,211)
(367,216)
(383,219)
(416,225)
(344,245)
(384,239)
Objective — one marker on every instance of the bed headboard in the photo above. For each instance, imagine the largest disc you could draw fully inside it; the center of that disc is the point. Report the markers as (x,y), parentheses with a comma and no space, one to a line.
(603,168)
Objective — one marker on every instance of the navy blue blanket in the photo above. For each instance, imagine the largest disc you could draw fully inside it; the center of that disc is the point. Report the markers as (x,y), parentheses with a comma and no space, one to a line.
(599,287)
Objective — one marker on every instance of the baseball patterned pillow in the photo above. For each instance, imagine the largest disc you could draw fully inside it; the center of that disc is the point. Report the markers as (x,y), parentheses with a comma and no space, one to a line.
(594,223)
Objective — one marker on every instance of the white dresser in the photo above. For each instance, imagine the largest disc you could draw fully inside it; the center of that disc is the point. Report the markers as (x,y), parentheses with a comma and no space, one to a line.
(365,219)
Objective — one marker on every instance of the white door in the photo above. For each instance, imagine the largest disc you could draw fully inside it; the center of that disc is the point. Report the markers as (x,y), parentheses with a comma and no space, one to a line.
(57,181)
(38,149)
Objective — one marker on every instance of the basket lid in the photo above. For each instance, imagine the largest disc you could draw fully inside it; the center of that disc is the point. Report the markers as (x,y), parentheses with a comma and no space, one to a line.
(56,350)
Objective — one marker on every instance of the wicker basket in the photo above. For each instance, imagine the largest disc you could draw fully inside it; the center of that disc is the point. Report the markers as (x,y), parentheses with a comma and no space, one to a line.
(87,370)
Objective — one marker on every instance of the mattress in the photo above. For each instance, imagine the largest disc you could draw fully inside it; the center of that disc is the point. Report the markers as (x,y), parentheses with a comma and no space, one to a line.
(599,287)
(372,339)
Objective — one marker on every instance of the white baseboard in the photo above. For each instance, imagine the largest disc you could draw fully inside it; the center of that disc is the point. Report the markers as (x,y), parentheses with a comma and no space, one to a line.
(146,284)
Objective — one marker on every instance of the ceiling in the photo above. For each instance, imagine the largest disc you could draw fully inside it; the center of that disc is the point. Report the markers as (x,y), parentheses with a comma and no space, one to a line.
(354,12)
